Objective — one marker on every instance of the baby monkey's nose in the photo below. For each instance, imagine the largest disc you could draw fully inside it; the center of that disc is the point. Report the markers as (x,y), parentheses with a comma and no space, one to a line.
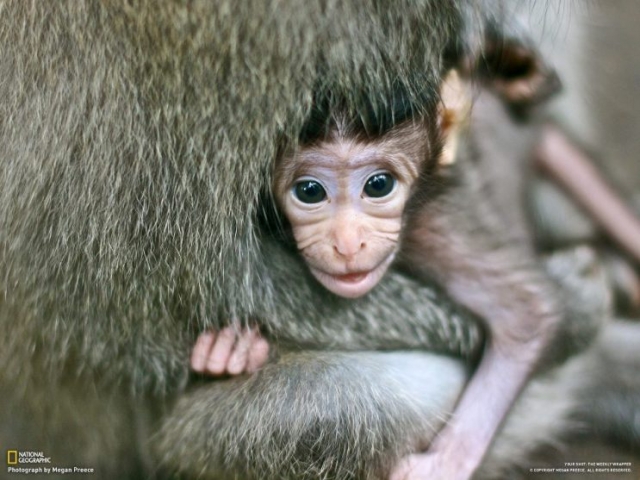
(348,247)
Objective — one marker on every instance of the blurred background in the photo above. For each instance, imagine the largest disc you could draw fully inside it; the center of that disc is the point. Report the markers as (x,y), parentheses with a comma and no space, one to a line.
(595,47)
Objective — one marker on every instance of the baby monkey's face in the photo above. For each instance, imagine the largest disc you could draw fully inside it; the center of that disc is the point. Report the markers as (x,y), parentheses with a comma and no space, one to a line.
(345,201)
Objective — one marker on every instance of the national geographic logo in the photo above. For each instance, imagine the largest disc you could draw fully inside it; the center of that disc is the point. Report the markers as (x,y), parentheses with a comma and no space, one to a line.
(28,462)
(15,457)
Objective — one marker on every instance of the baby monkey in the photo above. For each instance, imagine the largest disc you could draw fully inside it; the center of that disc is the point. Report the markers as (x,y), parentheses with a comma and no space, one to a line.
(355,200)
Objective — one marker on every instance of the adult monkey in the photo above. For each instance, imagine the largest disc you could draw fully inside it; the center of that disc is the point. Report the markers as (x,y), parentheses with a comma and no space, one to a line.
(136,141)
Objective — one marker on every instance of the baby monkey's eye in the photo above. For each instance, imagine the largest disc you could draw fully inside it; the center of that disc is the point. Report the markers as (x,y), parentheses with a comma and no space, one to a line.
(309,191)
(379,185)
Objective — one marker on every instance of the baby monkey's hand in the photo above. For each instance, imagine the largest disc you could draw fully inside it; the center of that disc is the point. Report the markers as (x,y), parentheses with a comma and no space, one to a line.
(229,352)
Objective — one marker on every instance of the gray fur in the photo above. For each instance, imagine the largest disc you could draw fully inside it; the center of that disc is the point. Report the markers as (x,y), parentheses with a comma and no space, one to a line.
(338,415)
(136,143)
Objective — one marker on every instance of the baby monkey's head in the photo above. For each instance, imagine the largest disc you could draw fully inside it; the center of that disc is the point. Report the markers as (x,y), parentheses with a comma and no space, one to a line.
(344,195)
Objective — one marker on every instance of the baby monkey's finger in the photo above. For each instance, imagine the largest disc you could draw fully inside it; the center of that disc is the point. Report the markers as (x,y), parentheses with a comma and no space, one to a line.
(221,351)
(238,360)
(201,351)
(258,353)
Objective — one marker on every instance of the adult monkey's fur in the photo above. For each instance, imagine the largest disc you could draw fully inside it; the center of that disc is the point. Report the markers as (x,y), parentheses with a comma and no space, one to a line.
(137,141)
(136,144)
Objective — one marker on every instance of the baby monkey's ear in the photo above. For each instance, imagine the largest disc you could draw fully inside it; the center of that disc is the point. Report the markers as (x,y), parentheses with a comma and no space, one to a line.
(453,111)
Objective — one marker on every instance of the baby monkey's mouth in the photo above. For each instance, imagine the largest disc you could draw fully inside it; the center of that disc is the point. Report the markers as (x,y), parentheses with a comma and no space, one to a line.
(354,277)
(355,283)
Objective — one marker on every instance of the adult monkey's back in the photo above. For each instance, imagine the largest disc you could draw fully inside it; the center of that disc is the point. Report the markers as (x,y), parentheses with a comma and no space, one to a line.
(137,142)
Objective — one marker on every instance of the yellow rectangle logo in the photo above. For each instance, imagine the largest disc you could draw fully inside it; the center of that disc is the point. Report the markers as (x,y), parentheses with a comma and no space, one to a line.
(12,457)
